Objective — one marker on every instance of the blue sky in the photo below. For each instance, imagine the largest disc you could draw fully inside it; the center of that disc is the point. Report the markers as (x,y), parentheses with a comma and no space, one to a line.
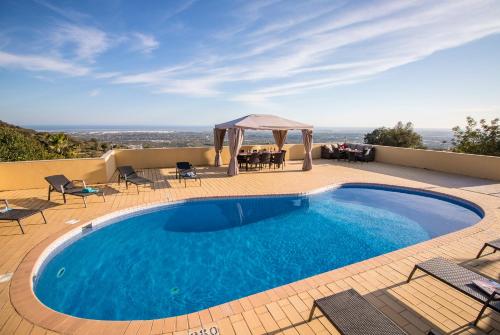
(330,63)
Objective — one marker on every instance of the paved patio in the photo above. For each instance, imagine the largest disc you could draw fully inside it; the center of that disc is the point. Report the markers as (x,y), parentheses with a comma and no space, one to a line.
(423,304)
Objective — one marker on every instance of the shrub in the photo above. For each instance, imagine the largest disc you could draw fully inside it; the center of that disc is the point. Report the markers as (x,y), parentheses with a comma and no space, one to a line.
(398,136)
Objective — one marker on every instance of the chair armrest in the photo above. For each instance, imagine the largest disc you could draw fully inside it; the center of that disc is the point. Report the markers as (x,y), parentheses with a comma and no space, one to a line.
(6,202)
(81,181)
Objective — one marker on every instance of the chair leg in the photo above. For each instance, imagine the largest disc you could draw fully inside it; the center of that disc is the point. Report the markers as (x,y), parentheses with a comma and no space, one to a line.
(411,274)
(84,202)
(20,226)
(481,251)
(64,197)
(137,188)
(312,312)
(43,216)
(480,314)
(49,194)
(103,197)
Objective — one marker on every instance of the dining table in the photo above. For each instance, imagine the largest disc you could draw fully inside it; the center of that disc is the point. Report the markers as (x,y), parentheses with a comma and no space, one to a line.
(247,154)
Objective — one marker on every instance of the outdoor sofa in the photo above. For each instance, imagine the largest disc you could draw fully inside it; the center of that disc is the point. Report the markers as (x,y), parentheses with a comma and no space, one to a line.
(61,184)
(335,151)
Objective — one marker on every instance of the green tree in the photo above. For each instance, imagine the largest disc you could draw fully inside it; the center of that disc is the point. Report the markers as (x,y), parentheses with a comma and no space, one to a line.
(60,144)
(401,135)
(480,139)
(18,146)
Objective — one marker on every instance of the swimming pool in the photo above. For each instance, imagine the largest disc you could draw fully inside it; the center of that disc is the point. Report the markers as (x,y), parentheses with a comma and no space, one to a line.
(180,258)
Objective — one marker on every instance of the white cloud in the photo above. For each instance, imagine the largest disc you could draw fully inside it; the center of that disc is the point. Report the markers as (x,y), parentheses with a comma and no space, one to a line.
(342,45)
(41,63)
(88,42)
(94,92)
(67,13)
(184,6)
(144,43)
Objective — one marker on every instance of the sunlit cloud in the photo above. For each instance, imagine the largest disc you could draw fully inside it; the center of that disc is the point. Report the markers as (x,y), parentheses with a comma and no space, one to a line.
(41,63)
(87,42)
(94,92)
(144,43)
(339,45)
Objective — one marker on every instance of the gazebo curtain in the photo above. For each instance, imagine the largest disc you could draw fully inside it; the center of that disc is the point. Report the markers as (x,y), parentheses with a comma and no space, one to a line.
(235,136)
(218,143)
(280,138)
(307,137)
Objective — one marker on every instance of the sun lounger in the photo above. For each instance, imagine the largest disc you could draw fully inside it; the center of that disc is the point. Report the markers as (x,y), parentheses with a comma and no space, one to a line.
(182,166)
(17,214)
(351,314)
(60,184)
(128,174)
(460,279)
(492,244)
(188,174)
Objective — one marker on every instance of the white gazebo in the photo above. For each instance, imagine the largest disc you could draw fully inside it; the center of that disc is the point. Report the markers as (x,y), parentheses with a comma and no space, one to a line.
(279,127)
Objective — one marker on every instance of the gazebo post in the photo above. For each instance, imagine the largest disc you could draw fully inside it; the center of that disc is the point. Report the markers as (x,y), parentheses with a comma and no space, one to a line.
(235,136)
(307,137)
(218,143)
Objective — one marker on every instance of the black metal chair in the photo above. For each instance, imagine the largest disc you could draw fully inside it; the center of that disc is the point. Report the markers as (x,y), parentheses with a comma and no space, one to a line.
(277,160)
(254,160)
(60,184)
(265,159)
(18,214)
(284,157)
(242,159)
(129,175)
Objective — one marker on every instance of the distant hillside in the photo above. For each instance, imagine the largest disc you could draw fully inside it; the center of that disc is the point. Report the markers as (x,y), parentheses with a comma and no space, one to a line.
(19,144)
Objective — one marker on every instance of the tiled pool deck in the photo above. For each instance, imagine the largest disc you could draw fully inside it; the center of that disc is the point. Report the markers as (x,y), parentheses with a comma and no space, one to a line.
(418,306)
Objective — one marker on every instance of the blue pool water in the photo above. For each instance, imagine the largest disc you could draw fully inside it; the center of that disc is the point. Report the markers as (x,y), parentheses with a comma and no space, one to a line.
(182,258)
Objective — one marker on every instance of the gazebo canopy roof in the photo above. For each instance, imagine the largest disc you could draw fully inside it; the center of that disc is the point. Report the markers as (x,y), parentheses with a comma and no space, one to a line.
(263,122)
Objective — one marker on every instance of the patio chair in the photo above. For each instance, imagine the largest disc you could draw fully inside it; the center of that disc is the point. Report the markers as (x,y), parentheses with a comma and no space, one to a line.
(254,160)
(129,175)
(18,214)
(284,157)
(460,279)
(277,160)
(182,166)
(60,184)
(242,159)
(265,159)
(492,244)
